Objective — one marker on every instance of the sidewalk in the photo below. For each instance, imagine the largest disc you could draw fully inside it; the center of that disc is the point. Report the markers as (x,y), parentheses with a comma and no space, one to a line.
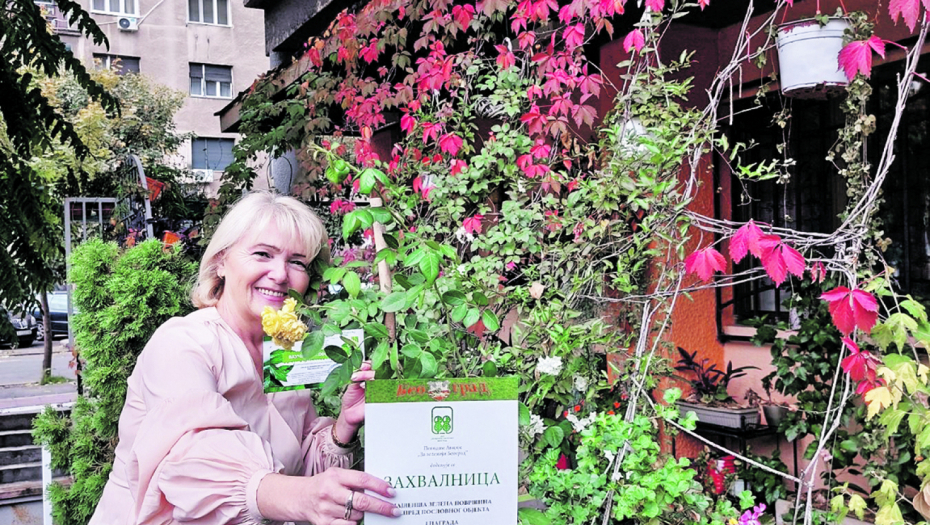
(20,371)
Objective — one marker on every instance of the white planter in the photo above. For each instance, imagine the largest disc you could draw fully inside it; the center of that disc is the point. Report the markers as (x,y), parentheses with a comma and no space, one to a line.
(808,58)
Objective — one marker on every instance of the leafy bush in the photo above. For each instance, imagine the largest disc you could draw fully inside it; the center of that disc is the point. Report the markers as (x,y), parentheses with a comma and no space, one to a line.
(122,296)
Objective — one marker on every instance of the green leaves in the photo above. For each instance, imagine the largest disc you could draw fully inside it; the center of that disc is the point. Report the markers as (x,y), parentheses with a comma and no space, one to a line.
(312,344)
(531,516)
(429,266)
(394,302)
(352,284)
(490,320)
(553,436)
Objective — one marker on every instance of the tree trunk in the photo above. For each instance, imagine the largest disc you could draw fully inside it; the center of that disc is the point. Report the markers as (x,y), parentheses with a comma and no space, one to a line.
(47,352)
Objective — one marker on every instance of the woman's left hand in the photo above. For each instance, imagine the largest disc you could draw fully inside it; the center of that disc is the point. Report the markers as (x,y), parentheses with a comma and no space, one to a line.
(352,414)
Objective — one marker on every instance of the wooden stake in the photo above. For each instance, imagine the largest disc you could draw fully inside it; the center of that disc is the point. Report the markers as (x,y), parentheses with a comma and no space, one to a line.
(384,271)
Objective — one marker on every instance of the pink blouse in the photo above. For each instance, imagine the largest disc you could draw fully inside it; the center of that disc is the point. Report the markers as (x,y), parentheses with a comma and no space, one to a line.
(197,433)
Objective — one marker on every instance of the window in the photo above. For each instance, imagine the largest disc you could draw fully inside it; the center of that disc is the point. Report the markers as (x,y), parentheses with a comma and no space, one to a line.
(208,11)
(115,7)
(121,64)
(211,153)
(211,81)
(816,194)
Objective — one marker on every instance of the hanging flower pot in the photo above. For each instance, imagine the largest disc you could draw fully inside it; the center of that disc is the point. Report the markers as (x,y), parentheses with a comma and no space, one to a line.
(808,58)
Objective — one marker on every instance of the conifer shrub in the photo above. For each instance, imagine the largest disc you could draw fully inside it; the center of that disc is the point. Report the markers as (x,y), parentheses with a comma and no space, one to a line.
(122,296)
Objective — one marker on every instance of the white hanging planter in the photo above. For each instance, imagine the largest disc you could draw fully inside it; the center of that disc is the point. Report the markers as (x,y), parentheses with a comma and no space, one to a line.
(808,58)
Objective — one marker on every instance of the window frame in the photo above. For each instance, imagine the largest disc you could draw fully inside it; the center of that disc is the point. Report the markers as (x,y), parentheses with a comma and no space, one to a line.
(232,142)
(204,81)
(200,4)
(109,62)
(107,11)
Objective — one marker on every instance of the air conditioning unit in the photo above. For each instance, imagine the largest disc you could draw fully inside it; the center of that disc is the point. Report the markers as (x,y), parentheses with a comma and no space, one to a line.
(128,23)
(202,176)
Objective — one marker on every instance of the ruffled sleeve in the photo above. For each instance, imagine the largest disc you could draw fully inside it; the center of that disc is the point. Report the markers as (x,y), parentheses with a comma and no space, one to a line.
(193,457)
(320,452)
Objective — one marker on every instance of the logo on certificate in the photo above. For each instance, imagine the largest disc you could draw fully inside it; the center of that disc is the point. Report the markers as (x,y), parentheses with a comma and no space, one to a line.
(442,420)
(438,390)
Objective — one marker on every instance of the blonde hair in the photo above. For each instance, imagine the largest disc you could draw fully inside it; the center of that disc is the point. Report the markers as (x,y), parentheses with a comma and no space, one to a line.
(251,214)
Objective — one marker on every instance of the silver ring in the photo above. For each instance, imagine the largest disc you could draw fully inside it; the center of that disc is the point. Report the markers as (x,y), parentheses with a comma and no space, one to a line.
(349,505)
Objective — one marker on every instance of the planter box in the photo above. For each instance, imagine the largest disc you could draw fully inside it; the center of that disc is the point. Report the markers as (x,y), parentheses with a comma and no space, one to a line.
(783,507)
(723,416)
(808,58)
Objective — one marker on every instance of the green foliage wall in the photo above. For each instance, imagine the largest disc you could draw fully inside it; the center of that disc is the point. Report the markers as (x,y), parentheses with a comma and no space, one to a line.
(122,296)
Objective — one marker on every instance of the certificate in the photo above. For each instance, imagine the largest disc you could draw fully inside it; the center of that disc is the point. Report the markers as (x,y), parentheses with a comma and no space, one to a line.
(448,447)
(292,370)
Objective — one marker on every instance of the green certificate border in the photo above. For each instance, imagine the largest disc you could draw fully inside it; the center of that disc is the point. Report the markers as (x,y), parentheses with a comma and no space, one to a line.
(435,390)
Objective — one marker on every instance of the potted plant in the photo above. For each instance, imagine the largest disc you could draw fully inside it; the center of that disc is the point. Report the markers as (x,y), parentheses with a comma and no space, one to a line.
(808,56)
(774,412)
(710,400)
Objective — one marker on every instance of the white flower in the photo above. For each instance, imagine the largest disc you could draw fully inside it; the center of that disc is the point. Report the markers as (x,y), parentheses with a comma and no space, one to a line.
(462,235)
(581,424)
(536,425)
(581,383)
(610,456)
(549,365)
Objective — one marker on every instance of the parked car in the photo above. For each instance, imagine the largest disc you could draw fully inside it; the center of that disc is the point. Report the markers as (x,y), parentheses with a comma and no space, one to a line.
(58,310)
(26,329)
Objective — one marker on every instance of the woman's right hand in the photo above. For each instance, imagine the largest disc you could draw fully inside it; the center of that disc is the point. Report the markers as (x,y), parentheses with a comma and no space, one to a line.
(322,499)
(330,490)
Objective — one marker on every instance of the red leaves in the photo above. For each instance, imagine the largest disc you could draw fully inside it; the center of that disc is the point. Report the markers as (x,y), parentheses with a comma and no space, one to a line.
(450,143)
(534,120)
(705,262)
(703,3)
(583,113)
(856,57)
(525,163)
(505,59)
(635,40)
(779,259)
(818,273)
(746,240)
(851,309)
(423,187)
(860,365)
(906,9)
(457,166)
(431,131)
(655,5)
(473,224)
(574,35)
(369,53)
(540,149)
(463,15)
(314,55)
(408,123)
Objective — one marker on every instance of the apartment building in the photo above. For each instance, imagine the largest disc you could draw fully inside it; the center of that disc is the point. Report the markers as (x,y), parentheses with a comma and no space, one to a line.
(209,49)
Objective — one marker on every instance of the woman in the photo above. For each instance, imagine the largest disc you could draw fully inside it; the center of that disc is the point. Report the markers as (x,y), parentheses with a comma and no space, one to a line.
(199,440)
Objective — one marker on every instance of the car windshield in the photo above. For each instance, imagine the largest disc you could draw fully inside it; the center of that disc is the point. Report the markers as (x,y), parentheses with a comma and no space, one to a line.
(58,303)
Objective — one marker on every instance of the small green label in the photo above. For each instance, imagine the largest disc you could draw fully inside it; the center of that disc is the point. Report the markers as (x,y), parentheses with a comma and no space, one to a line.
(436,390)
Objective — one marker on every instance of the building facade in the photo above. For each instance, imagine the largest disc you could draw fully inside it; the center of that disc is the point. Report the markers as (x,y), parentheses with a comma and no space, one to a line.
(209,49)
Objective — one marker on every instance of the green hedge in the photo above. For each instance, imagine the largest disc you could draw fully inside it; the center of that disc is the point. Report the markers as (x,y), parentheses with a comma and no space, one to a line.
(122,297)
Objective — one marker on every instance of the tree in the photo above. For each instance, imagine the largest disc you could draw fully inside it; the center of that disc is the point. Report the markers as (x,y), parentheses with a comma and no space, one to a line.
(144,127)
(28,125)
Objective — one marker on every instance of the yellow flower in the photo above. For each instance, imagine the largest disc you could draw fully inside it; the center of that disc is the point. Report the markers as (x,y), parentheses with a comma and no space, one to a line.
(284,327)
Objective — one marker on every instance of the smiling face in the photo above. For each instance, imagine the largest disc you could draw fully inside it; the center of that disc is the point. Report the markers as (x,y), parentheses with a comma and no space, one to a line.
(257,272)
